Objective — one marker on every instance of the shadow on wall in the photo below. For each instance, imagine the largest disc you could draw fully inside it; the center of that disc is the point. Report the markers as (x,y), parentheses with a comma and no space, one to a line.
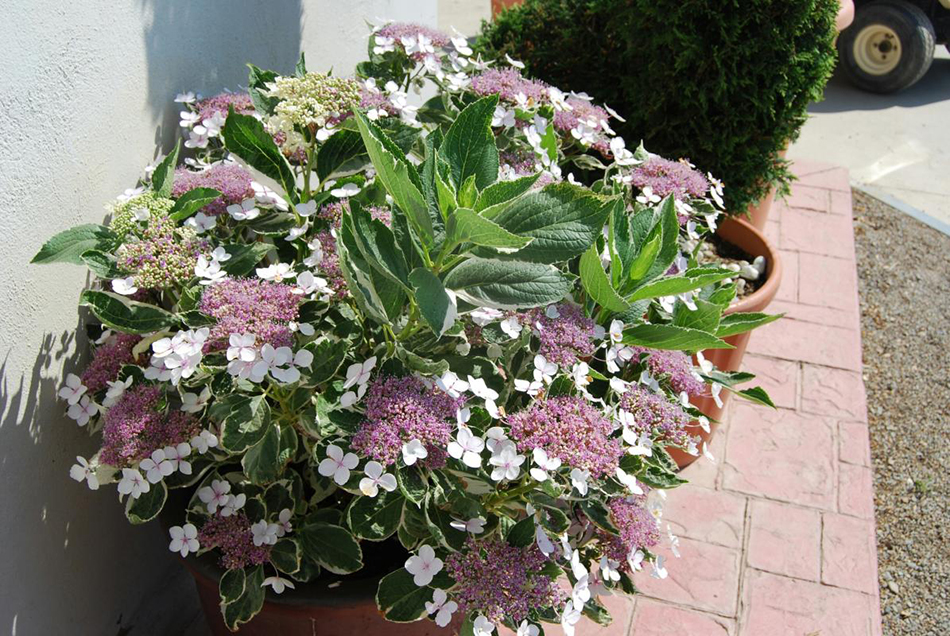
(204,46)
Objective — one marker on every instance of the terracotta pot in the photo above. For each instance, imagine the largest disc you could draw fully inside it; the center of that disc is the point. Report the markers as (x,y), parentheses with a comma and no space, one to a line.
(311,609)
(497,6)
(741,234)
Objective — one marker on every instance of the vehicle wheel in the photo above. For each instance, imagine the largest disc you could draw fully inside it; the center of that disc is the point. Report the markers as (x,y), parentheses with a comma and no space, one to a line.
(888,47)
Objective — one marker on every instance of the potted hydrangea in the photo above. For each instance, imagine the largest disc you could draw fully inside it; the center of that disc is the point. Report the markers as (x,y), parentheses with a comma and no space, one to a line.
(362,371)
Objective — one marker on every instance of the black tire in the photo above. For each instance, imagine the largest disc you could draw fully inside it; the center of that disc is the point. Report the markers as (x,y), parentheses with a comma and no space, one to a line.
(914,43)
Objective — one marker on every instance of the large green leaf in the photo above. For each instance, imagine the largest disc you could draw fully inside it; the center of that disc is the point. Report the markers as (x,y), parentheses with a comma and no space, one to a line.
(672,337)
(401,600)
(128,316)
(249,603)
(257,82)
(687,281)
(148,505)
(338,151)
(469,145)
(246,423)
(328,355)
(397,175)
(495,198)
(245,136)
(375,518)
(69,245)
(373,291)
(102,264)
(286,555)
(438,309)
(465,226)
(508,284)
(378,245)
(332,547)
(704,318)
(261,462)
(563,219)
(244,257)
(733,324)
(666,216)
(164,174)
(192,201)
(596,283)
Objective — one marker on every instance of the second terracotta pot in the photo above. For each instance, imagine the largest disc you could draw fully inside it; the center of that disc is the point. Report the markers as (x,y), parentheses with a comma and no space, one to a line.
(313,609)
(743,235)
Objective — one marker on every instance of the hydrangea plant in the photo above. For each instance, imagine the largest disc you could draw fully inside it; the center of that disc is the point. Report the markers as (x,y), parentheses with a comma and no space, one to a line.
(399,341)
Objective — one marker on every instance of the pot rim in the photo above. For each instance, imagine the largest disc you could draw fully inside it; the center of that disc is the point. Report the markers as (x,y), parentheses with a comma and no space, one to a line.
(744,235)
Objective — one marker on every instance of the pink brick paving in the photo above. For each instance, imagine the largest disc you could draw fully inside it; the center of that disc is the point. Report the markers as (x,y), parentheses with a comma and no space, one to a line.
(777,536)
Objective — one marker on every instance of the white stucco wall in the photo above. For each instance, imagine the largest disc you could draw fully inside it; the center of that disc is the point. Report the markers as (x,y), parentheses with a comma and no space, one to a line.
(85,101)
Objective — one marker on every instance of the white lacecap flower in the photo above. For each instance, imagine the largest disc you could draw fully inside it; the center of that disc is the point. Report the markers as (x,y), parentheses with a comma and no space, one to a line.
(338,465)
(442,607)
(376,479)
(184,539)
(579,479)
(467,447)
(264,533)
(83,471)
(423,566)
(124,286)
(482,626)
(215,495)
(278,584)
(73,390)
(132,483)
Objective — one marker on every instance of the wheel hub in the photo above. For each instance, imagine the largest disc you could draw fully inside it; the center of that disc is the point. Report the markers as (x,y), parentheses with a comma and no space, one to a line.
(877,49)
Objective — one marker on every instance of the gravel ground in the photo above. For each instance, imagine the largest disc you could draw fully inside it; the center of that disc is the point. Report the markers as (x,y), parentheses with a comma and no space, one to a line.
(904,281)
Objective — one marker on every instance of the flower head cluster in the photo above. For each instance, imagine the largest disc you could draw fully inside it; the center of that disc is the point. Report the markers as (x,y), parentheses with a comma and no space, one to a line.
(408,35)
(501,581)
(570,429)
(517,162)
(399,410)
(220,103)
(233,536)
(510,85)
(566,334)
(245,305)
(676,365)
(637,525)
(655,415)
(665,177)
(312,100)
(126,215)
(230,179)
(163,256)
(107,361)
(586,122)
(138,424)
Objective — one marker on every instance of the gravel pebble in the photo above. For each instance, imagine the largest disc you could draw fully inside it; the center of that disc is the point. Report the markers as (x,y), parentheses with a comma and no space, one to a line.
(904,282)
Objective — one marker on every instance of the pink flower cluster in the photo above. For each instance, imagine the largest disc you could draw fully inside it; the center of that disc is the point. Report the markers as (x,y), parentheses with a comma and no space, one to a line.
(581,110)
(564,339)
(230,179)
(232,535)
(107,361)
(667,177)
(399,410)
(219,104)
(675,364)
(247,305)
(137,425)
(638,528)
(569,428)
(508,83)
(656,415)
(399,30)
(501,581)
